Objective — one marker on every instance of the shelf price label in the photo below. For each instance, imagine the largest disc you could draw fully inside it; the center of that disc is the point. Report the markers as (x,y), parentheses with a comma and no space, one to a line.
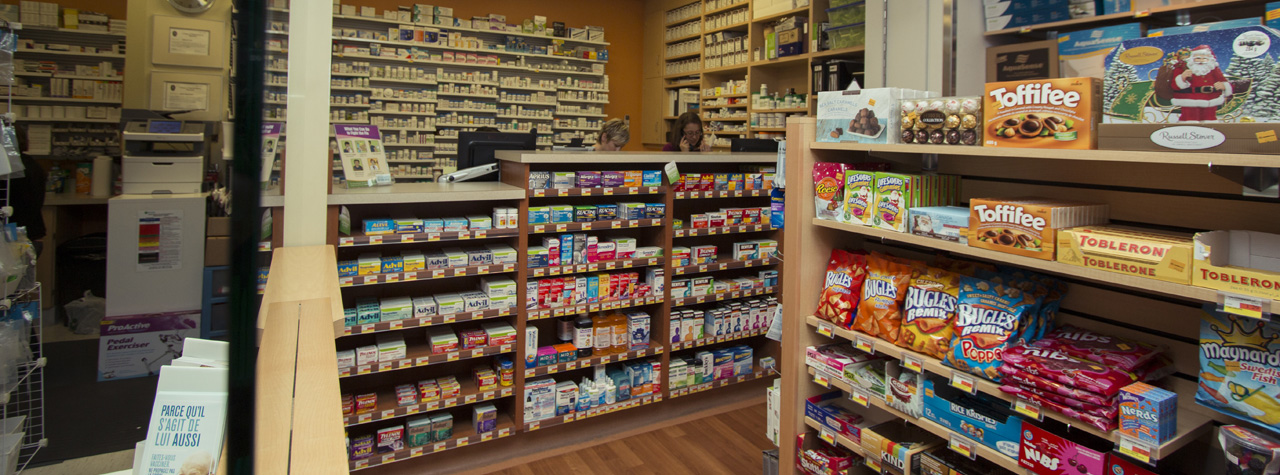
(1135,450)
(873,464)
(438,447)
(1029,409)
(826,436)
(962,445)
(463,442)
(375,239)
(821,379)
(1245,306)
(860,396)
(912,363)
(865,344)
(963,382)
(586,192)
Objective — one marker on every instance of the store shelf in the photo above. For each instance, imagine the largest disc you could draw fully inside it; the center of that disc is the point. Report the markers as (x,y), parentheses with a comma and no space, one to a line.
(1168,158)
(585,129)
(332,121)
(64,99)
(419,355)
(726,132)
(593,307)
(397,325)
(1182,291)
(774,16)
(697,195)
(79,121)
(581,114)
(594,191)
(684,38)
(834,438)
(403,99)
(739,105)
(653,349)
(526,35)
(681,21)
(70,76)
(429,274)
(782,110)
(443,236)
(70,53)
(684,345)
(595,225)
(414,114)
(737,294)
(732,68)
(528,88)
(697,388)
(1078,23)
(467,94)
(403,129)
(581,101)
(677,85)
(839,52)
(464,435)
(768,129)
(415,82)
(527,103)
(351,89)
(39,31)
(553,271)
(1191,425)
(467,110)
(528,118)
(387,408)
(723,265)
(694,54)
(409,145)
(598,411)
(735,26)
(748,228)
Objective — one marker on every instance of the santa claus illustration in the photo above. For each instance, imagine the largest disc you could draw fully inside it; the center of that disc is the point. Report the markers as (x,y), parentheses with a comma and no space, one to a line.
(1199,86)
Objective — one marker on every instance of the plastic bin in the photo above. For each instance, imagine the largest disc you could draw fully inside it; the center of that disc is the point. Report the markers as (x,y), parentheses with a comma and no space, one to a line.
(848,14)
(847,36)
(10,445)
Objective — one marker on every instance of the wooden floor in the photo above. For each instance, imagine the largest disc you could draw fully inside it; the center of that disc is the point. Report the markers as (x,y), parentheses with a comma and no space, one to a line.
(727,443)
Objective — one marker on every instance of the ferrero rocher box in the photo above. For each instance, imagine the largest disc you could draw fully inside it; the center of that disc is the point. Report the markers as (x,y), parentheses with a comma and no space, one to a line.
(1152,254)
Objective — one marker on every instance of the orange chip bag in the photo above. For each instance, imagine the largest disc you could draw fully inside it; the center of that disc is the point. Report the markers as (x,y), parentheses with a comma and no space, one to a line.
(845,273)
(929,311)
(880,312)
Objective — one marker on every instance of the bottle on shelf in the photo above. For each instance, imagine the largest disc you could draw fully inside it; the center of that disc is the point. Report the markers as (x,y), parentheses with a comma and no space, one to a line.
(603,338)
(564,329)
(582,333)
(621,336)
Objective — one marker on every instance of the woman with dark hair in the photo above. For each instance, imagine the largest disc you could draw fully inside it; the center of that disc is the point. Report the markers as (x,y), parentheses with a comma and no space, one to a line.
(686,135)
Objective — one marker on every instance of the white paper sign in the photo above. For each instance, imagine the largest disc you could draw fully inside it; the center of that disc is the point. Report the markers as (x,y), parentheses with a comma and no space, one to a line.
(187,41)
(181,96)
(159,240)
(186,428)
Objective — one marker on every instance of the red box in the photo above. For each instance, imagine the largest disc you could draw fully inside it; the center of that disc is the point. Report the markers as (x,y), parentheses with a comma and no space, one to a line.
(751,216)
(1047,454)
(1118,465)
(815,457)
(473,339)
(698,221)
(716,219)
(544,288)
(707,183)
(348,405)
(366,403)
(733,216)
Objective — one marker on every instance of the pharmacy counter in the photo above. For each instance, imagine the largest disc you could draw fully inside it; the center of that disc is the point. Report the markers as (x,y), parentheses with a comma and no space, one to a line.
(555,156)
(425,193)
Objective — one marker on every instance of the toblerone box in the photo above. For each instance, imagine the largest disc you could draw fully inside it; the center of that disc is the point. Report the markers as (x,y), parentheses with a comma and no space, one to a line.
(1043,113)
(1156,255)
(1241,262)
(1028,226)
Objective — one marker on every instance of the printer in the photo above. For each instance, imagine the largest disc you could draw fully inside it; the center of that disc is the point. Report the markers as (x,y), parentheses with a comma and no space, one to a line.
(163,155)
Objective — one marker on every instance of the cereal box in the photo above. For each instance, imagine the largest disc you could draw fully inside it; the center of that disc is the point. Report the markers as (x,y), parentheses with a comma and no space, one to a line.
(1153,254)
(894,195)
(859,201)
(1238,367)
(1043,113)
(1027,226)
(1148,414)
(828,189)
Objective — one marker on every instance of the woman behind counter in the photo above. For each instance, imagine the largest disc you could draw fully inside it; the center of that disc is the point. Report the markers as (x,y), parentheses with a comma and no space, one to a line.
(614,135)
(686,135)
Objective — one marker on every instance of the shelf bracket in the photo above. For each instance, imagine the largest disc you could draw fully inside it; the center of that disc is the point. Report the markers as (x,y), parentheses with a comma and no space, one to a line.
(1256,181)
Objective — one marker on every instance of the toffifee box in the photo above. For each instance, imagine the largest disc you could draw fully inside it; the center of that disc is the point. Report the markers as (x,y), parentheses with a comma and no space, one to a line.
(862,116)
(1153,254)
(1028,226)
(1043,113)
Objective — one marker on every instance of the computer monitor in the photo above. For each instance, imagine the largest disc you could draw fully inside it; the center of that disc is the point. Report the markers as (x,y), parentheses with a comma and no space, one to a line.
(753,145)
(477,148)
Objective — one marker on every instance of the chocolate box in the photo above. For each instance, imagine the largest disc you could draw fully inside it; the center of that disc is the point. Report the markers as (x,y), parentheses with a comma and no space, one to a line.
(1027,226)
(1046,113)
(1241,262)
(863,116)
(1153,254)
(1145,84)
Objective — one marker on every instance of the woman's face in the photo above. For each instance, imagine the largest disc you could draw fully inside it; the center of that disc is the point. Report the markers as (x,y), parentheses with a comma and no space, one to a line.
(693,132)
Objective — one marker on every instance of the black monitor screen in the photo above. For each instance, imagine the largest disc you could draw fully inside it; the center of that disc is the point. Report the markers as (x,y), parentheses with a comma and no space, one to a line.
(753,145)
(477,148)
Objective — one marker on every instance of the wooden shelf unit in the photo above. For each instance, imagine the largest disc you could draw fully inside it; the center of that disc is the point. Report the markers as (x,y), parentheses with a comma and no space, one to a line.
(1149,310)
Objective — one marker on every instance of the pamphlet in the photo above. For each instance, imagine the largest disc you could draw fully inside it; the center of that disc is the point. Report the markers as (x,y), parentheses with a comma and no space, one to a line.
(188,418)
(270,142)
(364,161)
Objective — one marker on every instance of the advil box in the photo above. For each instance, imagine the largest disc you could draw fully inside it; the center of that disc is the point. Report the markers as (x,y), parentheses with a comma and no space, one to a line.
(134,346)
(1242,262)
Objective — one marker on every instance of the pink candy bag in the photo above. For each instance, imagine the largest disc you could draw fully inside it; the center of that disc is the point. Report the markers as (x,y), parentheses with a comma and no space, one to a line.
(1109,411)
(1109,350)
(1032,381)
(1101,423)
(1061,367)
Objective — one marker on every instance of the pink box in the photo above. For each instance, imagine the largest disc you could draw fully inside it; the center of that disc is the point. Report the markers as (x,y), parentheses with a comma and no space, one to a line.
(606,251)
(716,219)
(703,254)
(473,339)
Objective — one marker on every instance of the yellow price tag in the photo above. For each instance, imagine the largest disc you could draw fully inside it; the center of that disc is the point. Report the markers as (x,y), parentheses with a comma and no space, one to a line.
(963,382)
(827,436)
(822,380)
(912,363)
(962,445)
(1135,450)
(865,344)
(860,396)
(826,330)
(873,464)
(1029,409)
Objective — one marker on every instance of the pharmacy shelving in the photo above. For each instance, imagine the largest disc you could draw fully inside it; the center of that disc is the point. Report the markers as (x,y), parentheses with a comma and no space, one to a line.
(405,99)
(464,434)
(70,76)
(387,409)
(723,264)
(426,274)
(616,264)
(420,355)
(720,383)
(409,145)
(711,340)
(583,363)
(616,304)
(593,412)
(383,112)
(722,296)
(594,225)
(420,322)
(416,82)
(720,230)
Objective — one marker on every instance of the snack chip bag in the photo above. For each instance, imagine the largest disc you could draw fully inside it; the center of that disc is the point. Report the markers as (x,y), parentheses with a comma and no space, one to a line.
(929,312)
(1058,366)
(1237,358)
(880,312)
(845,274)
(987,318)
(1119,353)
(1031,322)
(828,189)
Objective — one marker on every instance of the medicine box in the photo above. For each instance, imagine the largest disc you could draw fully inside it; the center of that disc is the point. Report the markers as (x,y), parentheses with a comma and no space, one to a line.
(561,213)
(1148,414)
(442,426)
(530,346)
(367,354)
(539,399)
(379,226)
(563,179)
(395,308)
(539,215)
(503,254)
(539,179)
(432,225)
(475,301)
(477,222)
(392,264)
(484,418)
(455,224)
(450,303)
(499,333)
(369,264)
(645,252)
(350,317)
(407,225)
(498,286)
(638,327)
(418,432)
(479,257)
(442,340)
(437,260)
(413,261)
(348,268)
(424,307)
(346,358)
(368,310)
(471,339)
(456,257)
(502,303)
(651,178)
(588,179)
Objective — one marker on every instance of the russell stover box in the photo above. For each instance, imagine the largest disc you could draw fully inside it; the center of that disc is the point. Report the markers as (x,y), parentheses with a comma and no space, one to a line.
(1213,90)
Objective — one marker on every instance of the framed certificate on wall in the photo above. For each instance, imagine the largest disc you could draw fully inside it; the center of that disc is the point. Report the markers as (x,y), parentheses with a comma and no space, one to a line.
(178,41)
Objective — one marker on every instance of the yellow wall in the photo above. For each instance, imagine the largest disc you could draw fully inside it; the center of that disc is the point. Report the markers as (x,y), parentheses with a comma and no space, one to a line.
(622,21)
(138,67)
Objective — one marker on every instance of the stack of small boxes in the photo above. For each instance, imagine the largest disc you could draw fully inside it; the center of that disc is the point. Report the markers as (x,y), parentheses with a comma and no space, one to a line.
(1148,414)
(707,254)
(708,285)
(495,293)
(594,179)
(593,288)
(729,217)
(732,317)
(572,249)
(708,366)
(503,218)
(725,181)
(562,214)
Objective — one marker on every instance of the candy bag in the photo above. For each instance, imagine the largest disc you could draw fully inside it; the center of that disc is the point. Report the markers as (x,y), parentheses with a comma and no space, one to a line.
(828,189)
(880,312)
(929,311)
(1026,380)
(987,318)
(845,274)
(1113,351)
(1061,367)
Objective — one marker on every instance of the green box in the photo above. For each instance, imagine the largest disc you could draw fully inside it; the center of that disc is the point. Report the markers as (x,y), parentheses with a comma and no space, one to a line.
(847,36)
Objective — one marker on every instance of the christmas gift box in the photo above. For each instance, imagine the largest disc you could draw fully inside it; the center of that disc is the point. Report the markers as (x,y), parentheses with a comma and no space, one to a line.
(1214,90)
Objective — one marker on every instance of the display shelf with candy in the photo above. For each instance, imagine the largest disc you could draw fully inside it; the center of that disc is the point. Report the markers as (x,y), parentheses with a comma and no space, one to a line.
(1191,158)
(1191,424)
(419,354)
(986,453)
(723,264)
(464,434)
(425,274)
(595,266)
(749,228)
(834,438)
(581,363)
(388,409)
(419,322)
(598,411)
(594,225)
(717,297)
(409,238)
(758,373)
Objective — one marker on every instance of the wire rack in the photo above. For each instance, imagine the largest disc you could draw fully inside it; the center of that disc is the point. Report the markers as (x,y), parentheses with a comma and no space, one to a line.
(25,399)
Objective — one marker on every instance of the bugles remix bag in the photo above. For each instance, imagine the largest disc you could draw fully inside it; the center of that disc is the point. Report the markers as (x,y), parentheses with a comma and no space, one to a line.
(880,312)
(840,293)
(929,311)
(987,317)
(1239,358)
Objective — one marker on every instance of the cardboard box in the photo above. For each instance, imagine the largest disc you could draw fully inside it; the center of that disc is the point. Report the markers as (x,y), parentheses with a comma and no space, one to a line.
(132,346)
(217,251)
(1192,137)
(1084,53)
(990,424)
(1153,254)
(1148,414)
(948,223)
(863,116)
(1241,262)
(1067,111)
(218,227)
(898,446)
(1045,453)
(831,410)
(1028,226)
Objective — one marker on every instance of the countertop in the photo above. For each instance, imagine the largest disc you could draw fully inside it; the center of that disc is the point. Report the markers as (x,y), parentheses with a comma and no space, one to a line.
(556,156)
(426,193)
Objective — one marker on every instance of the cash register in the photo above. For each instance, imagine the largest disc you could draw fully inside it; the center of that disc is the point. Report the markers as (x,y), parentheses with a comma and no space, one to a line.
(163,155)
